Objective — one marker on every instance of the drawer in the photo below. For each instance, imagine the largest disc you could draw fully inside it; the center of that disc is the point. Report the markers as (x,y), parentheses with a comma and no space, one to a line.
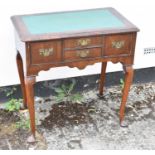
(82,42)
(45,52)
(118,45)
(82,54)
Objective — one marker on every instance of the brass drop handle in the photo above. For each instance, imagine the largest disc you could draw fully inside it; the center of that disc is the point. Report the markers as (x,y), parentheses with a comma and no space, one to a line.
(83,42)
(118,44)
(83,53)
(45,52)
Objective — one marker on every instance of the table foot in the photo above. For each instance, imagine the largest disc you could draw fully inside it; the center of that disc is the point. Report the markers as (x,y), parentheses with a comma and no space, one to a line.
(124,124)
(101,96)
(24,106)
(31,139)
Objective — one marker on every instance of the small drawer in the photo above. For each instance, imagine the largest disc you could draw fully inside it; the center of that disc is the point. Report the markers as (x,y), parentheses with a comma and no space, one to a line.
(118,45)
(82,42)
(73,55)
(45,52)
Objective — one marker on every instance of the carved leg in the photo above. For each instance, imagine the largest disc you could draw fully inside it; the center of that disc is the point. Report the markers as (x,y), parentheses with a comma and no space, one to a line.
(102,78)
(128,80)
(29,82)
(21,76)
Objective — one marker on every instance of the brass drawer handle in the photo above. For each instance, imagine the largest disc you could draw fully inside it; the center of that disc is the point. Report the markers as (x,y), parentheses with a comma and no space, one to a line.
(83,42)
(118,44)
(46,52)
(83,53)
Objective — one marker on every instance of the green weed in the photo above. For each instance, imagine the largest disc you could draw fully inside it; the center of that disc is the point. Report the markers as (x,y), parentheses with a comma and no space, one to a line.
(64,93)
(13,105)
(122,83)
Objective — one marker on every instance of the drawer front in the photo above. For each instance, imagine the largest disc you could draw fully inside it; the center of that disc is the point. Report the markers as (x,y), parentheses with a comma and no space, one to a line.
(45,52)
(82,42)
(73,55)
(118,45)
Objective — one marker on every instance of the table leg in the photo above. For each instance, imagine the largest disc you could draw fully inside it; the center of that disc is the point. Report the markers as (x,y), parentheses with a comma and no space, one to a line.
(128,80)
(21,77)
(29,83)
(102,77)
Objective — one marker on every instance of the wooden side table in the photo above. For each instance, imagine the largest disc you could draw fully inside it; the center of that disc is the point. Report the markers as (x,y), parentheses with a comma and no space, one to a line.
(74,39)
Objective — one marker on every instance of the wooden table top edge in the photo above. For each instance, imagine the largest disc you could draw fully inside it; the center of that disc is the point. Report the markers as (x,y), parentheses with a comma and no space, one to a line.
(26,36)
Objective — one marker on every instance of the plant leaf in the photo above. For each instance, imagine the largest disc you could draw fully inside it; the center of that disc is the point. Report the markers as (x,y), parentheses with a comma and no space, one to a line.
(59,90)
(13,105)
(71,86)
(65,88)
(76,98)
(60,97)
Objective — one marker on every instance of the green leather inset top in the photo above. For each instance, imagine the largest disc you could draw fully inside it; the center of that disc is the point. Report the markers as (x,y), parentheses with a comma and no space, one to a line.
(71,21)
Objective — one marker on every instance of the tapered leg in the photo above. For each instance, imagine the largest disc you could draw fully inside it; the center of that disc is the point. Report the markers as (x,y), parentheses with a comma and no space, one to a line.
(128,80)
(29,83)
(21,77)
(102,77)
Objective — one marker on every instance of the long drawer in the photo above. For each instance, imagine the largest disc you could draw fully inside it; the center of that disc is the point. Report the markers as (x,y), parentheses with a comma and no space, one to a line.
(81,54)
(83,42)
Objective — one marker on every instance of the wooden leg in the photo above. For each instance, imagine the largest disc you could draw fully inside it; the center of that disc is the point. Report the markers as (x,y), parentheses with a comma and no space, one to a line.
(102,78)
(21,77)
(128,80)
(29,83)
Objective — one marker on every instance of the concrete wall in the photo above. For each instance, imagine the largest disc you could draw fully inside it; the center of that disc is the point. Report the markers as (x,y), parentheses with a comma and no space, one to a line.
(141,13)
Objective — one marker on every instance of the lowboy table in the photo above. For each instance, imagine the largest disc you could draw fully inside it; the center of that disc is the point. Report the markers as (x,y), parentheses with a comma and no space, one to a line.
(74,39)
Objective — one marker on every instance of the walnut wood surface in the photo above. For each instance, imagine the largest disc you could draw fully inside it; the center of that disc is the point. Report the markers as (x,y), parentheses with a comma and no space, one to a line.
(37,58)
(126,49)
(26,36)
(99,52)
(21,77)
(29,82)
(102,77)
(74,43)
(74,49)
(75,54)
(127,83)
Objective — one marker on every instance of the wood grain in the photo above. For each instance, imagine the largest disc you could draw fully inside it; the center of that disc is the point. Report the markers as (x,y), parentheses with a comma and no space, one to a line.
(21,77)
(26,36)
(102,77)
(73,54)
(29,82)
(74,43)
(125,50)
(66,49)
(37,58)
(127,83)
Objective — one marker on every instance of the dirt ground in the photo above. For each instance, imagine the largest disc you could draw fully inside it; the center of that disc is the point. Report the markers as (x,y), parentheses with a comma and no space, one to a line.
(94,124)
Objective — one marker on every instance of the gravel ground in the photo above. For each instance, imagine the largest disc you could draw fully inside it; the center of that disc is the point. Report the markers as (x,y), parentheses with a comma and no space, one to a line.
(104,131)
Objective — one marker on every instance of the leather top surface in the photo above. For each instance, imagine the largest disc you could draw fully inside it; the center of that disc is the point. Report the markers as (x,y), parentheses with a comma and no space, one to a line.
(71,21)
(68,24)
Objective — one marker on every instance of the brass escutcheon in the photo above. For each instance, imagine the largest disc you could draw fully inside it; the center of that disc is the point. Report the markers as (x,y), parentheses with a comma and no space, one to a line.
(118,44)
(83,42)
(46,52)
(83,53)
